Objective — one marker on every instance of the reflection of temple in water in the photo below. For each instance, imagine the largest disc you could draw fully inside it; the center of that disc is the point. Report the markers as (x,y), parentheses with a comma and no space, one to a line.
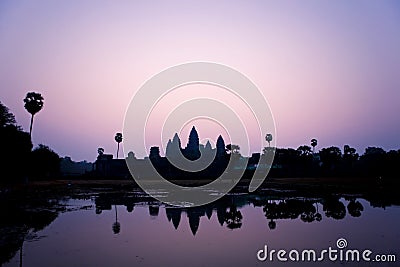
(24,218)
(228,214)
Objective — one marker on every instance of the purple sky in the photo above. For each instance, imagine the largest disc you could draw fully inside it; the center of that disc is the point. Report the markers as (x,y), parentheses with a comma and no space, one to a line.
(329,69)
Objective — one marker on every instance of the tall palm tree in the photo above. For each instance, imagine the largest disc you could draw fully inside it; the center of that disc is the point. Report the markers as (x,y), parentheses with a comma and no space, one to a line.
(314,143)
(268,138)
(116,227)
(118,139)
(33,104)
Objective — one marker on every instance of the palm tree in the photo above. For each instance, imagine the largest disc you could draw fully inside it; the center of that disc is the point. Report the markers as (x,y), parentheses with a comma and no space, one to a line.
(33,104)
(268,138)
(118,139)
(314,143)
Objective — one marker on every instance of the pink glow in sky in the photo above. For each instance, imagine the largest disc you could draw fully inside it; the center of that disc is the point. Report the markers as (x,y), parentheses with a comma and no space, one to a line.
(329,69)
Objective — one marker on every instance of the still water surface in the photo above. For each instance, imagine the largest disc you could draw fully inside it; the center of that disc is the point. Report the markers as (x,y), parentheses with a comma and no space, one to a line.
(121,230)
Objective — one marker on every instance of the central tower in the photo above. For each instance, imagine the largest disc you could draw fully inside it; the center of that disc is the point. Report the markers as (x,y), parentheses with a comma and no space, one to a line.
(192,150)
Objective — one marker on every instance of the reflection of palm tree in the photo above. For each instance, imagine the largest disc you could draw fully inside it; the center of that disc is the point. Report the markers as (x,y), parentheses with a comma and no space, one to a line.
(268,138)
(33,104)
(116,226)
(20,253)
(25,232)
(118,139)
(271,211)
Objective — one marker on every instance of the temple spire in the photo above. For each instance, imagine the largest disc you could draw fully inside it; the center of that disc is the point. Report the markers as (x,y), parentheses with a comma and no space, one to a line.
(192,150)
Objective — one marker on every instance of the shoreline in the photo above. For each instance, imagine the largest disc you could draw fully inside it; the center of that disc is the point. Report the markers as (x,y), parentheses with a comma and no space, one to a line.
(309,186)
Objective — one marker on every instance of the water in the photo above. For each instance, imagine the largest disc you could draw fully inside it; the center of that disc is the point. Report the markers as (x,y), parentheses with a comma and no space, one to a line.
(123,229)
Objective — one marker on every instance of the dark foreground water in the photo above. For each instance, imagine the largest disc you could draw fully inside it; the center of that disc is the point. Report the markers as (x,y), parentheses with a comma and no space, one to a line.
(121,229)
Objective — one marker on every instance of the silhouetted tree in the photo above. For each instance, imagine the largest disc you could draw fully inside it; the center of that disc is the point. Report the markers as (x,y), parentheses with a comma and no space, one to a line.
(6,117)
(232,149)
(392,164)
(308,212)
(349,159)
(314,143)
(33,104)
(373,162)
(268,138)
(305,160)
(118,139)
(304,151)
(131,155)
(100,151)
(334,208)
(330,157)
(349,153)
(272,212)
(15,147)
(355,208)
(267,150)
(286,159)
(45,163)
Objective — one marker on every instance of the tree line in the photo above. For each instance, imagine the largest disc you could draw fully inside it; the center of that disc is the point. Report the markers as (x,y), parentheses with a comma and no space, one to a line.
(374,163)
(20,161)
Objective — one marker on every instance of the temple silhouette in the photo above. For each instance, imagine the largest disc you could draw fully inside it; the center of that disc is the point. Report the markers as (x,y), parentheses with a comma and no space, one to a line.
(215,160)
(212,162)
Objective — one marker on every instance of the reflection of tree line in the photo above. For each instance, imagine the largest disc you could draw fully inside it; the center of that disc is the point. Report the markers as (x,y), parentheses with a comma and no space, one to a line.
(22,218)
(25,215)
(308,210)
(228,212)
